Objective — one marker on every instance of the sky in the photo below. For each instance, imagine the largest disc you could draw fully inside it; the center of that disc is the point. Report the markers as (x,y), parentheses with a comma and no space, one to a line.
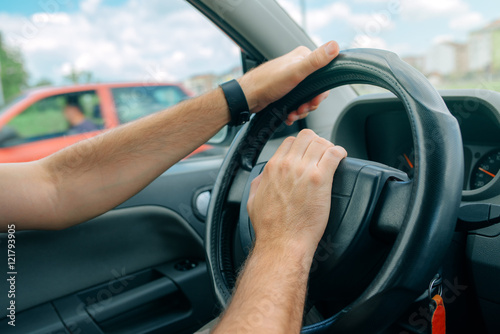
(407,27)
(133,40)
(129,40)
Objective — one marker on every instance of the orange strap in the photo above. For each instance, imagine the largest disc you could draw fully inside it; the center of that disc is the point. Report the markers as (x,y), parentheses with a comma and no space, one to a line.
(439,316)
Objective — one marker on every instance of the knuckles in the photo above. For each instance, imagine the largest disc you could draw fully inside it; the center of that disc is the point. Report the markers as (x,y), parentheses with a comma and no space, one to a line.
(316,177)
(315,61)
(324,142)
(292,165)
(307,133)
(289,140)
(286,164)
(339,152)
(301,50)
(296,77)
(271,165)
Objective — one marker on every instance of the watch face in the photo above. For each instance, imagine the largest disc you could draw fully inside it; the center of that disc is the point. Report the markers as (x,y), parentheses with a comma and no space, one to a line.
(244,117)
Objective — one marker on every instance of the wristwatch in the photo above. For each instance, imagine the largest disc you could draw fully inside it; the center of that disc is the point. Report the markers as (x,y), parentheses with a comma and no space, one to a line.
(237,103)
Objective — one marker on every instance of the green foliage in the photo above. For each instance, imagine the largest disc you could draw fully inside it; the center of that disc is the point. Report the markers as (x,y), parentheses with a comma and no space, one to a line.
(79,77)
(46,117)
(13,75)
(43,82)
(496,50)
(33,123)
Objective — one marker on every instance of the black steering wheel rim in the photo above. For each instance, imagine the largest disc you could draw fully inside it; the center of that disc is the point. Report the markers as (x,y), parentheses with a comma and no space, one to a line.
(428,225)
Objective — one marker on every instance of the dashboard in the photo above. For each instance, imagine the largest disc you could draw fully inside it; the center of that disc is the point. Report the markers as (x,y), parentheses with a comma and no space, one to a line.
(376,127)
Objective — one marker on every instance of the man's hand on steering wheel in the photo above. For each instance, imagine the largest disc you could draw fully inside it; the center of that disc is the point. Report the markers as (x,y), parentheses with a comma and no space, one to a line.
(272,80)
(289,205)
(289,202)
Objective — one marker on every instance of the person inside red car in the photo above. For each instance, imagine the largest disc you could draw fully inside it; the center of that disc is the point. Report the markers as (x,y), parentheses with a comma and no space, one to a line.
(95,175)
(78,122)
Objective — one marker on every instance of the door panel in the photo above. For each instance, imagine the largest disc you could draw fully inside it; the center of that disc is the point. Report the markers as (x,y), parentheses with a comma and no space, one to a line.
(136,269)
(51,264)
(176,188)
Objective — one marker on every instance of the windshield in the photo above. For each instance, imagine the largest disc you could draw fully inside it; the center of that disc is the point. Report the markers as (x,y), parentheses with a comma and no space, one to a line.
(455,43)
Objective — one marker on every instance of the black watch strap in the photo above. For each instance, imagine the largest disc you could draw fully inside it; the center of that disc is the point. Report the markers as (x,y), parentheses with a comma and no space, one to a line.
(236,101)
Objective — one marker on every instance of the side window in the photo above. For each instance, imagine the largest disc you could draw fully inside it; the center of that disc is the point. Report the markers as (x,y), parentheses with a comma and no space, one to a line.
(136,102)
(166,54)
(56,116)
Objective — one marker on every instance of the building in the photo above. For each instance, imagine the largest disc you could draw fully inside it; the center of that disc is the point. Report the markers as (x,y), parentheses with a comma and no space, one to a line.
(416,61)
(203,83)
(447,58)
(484,48)
(481,53)
(200,84)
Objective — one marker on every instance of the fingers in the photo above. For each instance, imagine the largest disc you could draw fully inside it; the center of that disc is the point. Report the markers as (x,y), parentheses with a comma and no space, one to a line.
(300,173)
(292,117)
(331,159)
(306,108)
(316,150)
(301,143)
(314,103)
(296,115)
(318,58)
(313,150)
(275,78)
(312,61)
(284,147)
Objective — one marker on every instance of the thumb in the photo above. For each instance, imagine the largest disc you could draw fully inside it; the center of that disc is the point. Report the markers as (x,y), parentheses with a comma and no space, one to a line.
(318,58)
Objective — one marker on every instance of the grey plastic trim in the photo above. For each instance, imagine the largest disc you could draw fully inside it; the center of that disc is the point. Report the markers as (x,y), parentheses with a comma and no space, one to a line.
(132,299)
(489,99)
(52,264)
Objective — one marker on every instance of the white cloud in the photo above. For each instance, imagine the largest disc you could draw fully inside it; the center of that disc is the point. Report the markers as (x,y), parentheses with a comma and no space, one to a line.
(403,49)
(41,19)
(320,18)
(423,9)
(136,41)
(371,1)
(89,6)
(439,39)
(361,30)
(368,23)
(292,9)
(364,41)
(317,39)
(467,21)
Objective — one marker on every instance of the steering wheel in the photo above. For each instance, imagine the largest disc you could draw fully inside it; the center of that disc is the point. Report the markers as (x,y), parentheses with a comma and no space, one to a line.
(387,234)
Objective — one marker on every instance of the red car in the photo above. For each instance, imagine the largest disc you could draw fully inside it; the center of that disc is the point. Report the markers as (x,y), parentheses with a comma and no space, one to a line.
(45,120)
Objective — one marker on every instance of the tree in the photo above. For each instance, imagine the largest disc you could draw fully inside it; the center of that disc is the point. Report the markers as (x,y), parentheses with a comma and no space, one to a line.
(43,82)
(13,76)
(78,77)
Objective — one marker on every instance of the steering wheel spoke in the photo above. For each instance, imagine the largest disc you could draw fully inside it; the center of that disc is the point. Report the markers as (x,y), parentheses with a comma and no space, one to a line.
(393,206)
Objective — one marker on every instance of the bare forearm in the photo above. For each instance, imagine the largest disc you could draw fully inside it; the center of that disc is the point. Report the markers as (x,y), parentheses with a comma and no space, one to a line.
(98,174)
(270,293)
(95,175)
